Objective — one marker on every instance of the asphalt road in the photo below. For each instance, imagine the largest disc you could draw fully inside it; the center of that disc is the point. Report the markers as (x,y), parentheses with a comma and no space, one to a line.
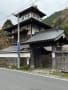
(11,80)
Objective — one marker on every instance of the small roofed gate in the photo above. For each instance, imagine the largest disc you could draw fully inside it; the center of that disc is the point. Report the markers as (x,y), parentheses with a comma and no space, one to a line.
(40,57)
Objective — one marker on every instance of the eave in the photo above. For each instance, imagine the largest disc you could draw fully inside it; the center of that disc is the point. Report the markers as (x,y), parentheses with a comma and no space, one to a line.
(29,21)
(30,9)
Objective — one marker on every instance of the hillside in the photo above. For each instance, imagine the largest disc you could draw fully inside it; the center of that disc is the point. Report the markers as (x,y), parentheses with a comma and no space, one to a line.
(59,20)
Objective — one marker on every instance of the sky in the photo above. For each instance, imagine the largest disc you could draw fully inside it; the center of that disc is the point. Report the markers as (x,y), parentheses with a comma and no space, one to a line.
(8,7)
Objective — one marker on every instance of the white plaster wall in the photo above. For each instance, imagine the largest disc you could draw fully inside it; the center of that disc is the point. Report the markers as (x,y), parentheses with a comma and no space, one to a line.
(15,55)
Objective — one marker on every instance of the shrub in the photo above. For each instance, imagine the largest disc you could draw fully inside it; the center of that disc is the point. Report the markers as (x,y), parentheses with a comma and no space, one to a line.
(12,67)
(25,67)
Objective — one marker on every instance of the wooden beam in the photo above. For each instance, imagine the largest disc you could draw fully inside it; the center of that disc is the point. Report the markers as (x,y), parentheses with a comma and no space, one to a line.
(32,64)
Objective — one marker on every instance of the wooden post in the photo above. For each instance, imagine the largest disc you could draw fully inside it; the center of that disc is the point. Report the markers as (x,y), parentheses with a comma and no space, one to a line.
(53,58)
(32,65)
(28,61)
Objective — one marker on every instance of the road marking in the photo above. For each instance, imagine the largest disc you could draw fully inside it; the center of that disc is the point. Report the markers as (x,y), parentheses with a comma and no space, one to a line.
(36,74)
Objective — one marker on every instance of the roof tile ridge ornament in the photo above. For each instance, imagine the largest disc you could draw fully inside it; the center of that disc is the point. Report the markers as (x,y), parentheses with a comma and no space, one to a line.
(34,2)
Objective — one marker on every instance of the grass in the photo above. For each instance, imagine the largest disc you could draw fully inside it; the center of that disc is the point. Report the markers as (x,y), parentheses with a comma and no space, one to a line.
(59,73)
(55,72)
(65,75)
(12,67)
(51,72)
(23,68)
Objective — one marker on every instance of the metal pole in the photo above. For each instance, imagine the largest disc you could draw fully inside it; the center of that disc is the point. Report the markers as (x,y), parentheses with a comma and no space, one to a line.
(18,44)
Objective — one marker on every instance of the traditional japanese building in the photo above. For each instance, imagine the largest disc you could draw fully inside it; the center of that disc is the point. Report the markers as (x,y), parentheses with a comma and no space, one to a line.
(30,21)
(39,42)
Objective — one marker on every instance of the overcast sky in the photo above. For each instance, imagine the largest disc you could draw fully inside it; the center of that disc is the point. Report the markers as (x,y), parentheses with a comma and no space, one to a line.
(47,6)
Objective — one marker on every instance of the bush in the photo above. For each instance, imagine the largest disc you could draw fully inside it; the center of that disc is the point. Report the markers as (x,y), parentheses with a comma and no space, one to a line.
(12,67)
(27,68)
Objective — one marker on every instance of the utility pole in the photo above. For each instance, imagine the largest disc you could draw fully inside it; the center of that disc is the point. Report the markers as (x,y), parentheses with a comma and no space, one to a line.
(18,44)
(18,40)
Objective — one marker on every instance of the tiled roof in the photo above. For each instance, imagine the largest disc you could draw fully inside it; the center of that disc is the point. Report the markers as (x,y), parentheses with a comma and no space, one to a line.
(31,9)
(44,36)
(14,48)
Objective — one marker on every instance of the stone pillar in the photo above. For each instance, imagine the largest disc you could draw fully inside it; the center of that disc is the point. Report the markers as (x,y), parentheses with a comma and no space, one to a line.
(53,58)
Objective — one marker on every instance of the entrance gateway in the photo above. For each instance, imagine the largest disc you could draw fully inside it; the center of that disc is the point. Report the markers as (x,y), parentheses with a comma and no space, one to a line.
(39,43)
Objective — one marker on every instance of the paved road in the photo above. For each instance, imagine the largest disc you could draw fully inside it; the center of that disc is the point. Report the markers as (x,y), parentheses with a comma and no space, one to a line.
(11,80)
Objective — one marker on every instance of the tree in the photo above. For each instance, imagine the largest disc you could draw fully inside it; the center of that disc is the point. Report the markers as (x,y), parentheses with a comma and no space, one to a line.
(4,40)
(8,23)
(58,23)
(65,28)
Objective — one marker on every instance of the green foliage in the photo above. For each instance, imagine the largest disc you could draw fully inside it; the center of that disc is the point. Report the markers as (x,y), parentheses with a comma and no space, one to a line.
(3,34)
(59,73)
(7,24)
(65,75)
(12,67)
(59,20)
(65,27)
(25,67)
(56,72)
(52,19)
(4,40)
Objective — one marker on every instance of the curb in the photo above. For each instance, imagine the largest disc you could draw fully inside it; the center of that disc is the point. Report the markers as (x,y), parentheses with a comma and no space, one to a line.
(37,74)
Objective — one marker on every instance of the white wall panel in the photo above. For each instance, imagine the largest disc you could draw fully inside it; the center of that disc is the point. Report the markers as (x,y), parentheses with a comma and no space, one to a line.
(15,55)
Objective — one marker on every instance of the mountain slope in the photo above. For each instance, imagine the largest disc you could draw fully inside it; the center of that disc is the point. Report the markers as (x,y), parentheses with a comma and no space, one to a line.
(59,20)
